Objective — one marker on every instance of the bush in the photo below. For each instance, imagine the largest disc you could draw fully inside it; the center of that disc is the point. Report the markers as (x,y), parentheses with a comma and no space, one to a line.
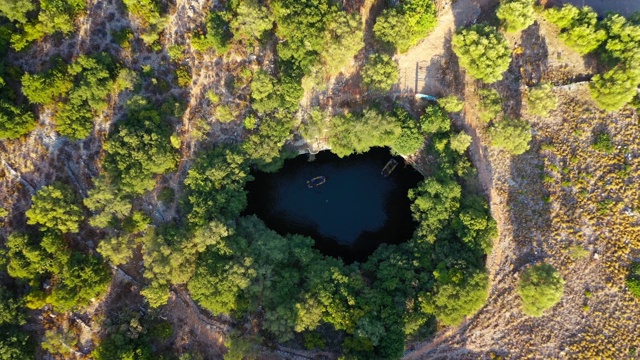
(512,135)
(380,73)
(490,104)
(633,279)
(405,25)
(224,114)
(183,75)
(604,143)
(580,29)
(483,52)
(541,100)
(451,103)
(516,15)
(540,287)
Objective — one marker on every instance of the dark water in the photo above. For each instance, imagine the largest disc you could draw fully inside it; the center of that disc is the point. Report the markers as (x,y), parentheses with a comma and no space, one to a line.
(350,215)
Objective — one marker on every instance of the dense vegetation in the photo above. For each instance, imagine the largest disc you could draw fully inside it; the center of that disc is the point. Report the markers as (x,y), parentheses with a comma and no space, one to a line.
(291,288)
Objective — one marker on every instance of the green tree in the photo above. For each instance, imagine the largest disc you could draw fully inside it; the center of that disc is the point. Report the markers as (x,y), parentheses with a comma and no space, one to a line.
(107,202)
(451,103)
(616,87)
(148,13)
(117,249)
(54,16)
(460,142)
(482,51)
(580,27)
(343,39)
(302,24)
(47,88)
(380,73)
(14,121)
(453,301)
(139,149)
(512,135)
(251,20)
(16,10)
(405,25)
(623,38)
(435,120)
(316,125)
(516,15)
(412,135)
(541,100)
(434,202)
(490,104)
(55,207)
(217,35)
(215,186)
(540,287)
(87,98)
(350,133)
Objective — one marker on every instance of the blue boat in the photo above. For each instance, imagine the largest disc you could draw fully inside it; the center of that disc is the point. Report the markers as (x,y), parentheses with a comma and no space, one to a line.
(316,181)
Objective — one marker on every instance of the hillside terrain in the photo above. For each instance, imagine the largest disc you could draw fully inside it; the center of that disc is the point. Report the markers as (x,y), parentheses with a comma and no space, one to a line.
(128,130)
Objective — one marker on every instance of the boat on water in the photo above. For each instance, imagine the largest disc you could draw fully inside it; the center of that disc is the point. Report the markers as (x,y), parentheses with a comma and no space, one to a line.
(389,167)
(316,181)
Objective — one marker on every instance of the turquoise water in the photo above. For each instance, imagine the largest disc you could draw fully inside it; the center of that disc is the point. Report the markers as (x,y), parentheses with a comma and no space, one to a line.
(350,215)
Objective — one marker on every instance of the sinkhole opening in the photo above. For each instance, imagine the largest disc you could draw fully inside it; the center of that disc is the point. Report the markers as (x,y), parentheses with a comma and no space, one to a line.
(348,206)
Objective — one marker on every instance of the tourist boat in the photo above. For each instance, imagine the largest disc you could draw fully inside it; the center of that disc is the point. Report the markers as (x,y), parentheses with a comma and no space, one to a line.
(387,169)
(316,181)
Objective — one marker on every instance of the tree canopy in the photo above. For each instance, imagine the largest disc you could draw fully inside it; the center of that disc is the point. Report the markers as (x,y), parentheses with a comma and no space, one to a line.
(516,15)
(404,25)
(55,207)
(540,287)
(139,148)
(380,73)
(482,51)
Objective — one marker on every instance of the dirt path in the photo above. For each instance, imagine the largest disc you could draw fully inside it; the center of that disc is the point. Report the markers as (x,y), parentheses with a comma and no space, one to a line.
(419,67)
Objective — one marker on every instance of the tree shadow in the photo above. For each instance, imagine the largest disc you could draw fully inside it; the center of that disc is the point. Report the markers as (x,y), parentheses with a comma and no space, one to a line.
(532,59)
(529,205)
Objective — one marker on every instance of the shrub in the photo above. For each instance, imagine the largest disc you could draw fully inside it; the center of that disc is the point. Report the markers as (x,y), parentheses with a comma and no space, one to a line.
(380,73)
(224,114)
(604,143)
(451,103)
(633,279)
(490,104)
(482,51)
(183,75)
(516,15)
(512,135)
(541,100)
(540,287)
